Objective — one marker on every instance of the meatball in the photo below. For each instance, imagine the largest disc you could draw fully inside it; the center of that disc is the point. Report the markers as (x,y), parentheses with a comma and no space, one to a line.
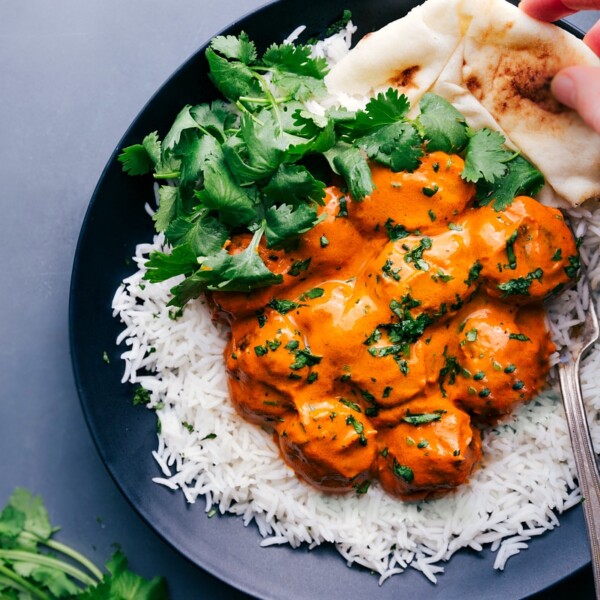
(432,449)
(329,443)
(526,251)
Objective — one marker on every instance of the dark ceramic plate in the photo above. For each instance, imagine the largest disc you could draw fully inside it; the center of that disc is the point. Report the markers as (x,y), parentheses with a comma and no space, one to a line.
(125,436)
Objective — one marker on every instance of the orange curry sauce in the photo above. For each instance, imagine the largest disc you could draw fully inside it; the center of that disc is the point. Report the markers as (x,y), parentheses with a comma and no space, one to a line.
(397,331)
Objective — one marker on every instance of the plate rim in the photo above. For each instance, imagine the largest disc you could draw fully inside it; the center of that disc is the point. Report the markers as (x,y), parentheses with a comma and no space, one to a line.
(213,568)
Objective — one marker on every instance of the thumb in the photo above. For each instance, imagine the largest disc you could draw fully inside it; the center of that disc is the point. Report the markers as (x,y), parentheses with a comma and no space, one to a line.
(579,88)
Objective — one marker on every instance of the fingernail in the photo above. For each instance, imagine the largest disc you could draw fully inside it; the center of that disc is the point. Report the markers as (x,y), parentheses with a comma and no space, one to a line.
(563,88)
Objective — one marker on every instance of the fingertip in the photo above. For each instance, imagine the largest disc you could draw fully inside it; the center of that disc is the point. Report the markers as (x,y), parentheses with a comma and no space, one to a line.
(545,10)
(592,39)
(563,89)
(579,88)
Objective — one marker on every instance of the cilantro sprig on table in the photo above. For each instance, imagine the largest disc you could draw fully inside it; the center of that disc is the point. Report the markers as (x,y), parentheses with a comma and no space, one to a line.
(35,566)
(257,162)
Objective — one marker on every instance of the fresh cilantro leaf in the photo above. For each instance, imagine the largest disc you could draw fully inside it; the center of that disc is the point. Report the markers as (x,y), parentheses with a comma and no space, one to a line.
(235,153)
(205,234)
(223,194)
(215,119)
(240,272)
(485,158)
(194,151)
(294,72)
(351,164)
(36,516)
(183,121)
(167,207)
(319,133)
(286,222)
(122,584)
(182,260)
(521,178)
(12,523)
(397,146)
(239,48)
(140,159)
(295,59)
(293,184)
(385,109)
(232,78)
(265,142)
(443,126)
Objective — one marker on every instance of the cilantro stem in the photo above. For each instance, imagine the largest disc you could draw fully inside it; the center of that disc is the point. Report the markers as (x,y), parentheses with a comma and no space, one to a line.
(170,175)
(67,551)
(48,561)
(23,585)
(265,100)
(271,98)
(245,110)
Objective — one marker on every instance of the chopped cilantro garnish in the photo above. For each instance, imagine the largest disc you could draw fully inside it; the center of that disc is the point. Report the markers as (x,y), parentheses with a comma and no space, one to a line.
(304,358)
(415,255)
(141,395)
(395,231)
(403,472)
(474,273)
(350,404)
(557,255)
(312,294)
(358,427)
(283,306)
(299,266)
(519,286)
(510,250)
(423,418)
(573,267)
(431,191)
(520,337)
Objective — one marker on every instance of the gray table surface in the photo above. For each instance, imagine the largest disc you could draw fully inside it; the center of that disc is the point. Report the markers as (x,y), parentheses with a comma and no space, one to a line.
(73,76)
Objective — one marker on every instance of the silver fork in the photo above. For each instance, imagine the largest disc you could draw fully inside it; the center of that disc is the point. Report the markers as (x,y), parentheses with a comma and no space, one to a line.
(585,458)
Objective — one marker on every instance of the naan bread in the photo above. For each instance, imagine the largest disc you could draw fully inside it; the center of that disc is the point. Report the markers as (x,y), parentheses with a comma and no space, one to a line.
(390,56)
(497,73)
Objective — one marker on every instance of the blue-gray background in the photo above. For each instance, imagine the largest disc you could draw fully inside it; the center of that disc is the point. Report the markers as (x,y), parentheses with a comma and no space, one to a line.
(73,75)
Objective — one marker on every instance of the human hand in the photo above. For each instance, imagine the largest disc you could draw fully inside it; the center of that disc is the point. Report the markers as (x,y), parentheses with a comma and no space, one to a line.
(576,87)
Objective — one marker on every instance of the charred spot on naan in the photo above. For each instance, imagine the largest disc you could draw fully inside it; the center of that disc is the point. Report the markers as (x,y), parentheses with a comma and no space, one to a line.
(405,78)
(520,79)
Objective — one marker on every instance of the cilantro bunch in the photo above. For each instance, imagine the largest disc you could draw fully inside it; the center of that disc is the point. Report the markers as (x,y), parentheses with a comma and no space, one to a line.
(259,162)
(34,566)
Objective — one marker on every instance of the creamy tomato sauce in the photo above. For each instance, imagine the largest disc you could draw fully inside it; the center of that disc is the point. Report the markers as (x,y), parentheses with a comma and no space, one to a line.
(404,322)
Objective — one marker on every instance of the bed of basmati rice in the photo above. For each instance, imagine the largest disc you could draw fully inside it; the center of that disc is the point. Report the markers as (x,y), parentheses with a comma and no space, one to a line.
(205,449)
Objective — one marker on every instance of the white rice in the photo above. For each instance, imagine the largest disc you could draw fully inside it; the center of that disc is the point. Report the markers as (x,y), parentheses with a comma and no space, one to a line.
(527,479)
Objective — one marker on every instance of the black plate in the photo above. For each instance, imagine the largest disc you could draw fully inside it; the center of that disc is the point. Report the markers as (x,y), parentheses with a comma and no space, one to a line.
(125,436)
